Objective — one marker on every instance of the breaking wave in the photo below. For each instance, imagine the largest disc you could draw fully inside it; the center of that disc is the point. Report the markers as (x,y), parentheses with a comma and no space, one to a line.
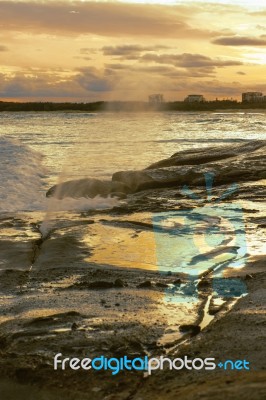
(23,183)
(22,176)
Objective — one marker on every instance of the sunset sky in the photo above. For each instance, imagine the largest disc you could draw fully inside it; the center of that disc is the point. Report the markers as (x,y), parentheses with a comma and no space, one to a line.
(124,50)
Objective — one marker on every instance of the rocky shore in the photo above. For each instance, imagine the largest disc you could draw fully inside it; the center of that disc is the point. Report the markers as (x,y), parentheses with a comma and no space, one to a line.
(111,282)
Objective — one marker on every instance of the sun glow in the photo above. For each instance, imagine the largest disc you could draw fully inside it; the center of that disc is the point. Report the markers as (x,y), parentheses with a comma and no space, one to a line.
(244,3)
(258,58)
(164,2)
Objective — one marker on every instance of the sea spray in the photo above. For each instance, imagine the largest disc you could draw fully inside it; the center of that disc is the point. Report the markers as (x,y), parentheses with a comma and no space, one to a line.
(22,181)
(85,193)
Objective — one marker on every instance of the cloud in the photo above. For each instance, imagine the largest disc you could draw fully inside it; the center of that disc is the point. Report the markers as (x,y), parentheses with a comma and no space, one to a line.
(131,51)
(38,84)
(241,73)
(88,50)
(99,18)
(240,41)
(44,85)
(154,69)
(188,60)
(91,84)
(119,66)
(82,58)
(91,79)
(261,27)
(212,88)
(260,13)
(163,71)
(3,48)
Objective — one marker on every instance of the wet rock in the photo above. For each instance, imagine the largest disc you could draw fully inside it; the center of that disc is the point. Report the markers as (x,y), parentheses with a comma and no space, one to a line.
(70,314)
(134,179)
(100,285)
(170,330)
(119,195)
(119,283)
(200,156)
(92,285)
(41,321)
(119,351)
(74,326)
(190,328)
(204,283)
(135,345)
(157,178)
(146,284)
(3,341)
(96,389)
(138,224)
(52,319)
(215,309)
(249,277)
(177,282)
(161,285)
(23,375)
(240,163)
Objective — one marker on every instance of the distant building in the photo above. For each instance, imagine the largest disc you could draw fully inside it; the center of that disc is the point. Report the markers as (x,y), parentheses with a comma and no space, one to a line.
(252,97)
(194,98)
(156,98)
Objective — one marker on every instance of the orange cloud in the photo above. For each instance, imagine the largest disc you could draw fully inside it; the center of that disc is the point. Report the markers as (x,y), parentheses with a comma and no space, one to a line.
(240,41)
(104,19)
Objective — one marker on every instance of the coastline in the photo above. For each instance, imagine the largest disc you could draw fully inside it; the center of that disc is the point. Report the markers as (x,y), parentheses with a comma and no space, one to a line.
(76,291)
(132,106)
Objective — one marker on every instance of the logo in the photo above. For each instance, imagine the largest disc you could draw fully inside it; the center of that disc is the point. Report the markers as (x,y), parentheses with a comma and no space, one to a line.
(207,238)
(145,364)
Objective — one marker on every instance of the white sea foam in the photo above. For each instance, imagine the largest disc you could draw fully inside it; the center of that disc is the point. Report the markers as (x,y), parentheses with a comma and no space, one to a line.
(22,177)
(22,183)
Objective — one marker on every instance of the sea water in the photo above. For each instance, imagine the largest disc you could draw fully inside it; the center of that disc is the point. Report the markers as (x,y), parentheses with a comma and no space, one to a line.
(38,150)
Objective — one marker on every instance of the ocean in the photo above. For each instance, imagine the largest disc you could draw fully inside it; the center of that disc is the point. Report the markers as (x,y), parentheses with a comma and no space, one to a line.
(38,150)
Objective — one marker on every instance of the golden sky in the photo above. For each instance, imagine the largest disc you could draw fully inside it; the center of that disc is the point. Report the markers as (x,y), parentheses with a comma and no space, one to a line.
(124,50)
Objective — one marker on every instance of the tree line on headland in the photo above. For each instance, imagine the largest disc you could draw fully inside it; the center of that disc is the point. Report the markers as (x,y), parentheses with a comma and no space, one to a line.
(130,106)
